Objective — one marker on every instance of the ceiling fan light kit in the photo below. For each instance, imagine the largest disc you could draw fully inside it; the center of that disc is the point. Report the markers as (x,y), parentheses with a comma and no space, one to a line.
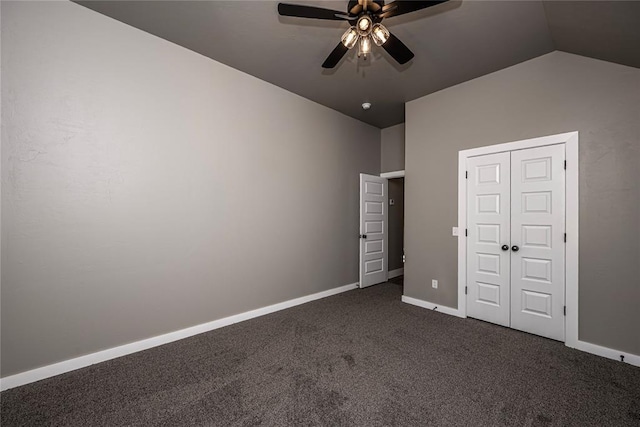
(365,31)
(364,17)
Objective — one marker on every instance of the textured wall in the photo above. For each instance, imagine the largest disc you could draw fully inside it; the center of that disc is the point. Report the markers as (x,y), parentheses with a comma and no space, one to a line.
(552,94)
(146,188)
(392,148)
(392,159)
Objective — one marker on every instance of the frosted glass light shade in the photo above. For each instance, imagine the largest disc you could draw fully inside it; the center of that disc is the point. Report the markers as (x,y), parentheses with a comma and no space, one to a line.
(379,34)
(350,38)
(365,46)
(364,25)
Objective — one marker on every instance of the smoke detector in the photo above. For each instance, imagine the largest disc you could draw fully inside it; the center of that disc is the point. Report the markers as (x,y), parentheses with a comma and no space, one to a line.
(366,105)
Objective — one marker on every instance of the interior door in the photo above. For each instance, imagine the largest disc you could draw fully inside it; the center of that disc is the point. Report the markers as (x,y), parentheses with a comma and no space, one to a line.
(374,201)
(538,250)
(488,214)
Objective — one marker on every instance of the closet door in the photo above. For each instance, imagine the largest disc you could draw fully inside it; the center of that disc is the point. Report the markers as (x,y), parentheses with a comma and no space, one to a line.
(488,192)
(537,241)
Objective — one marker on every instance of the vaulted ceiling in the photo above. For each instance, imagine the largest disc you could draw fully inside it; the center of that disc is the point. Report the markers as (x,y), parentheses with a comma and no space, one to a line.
(453,42)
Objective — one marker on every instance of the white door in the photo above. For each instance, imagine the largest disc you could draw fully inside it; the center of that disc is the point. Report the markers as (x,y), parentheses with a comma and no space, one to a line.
(537,239)
(488,234)
(374,214)
(515,242)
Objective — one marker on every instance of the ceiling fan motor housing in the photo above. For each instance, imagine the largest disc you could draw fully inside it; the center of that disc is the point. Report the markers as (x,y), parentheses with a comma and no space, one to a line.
(353,3)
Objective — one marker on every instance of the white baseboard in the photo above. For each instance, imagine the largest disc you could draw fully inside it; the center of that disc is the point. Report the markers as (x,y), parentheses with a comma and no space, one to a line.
(112,353)
(431,306)
(395,273)
(609,353)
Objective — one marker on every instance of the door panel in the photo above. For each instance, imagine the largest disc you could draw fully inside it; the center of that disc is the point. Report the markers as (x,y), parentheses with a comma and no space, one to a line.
(537,226)
(488,211)
(373,224)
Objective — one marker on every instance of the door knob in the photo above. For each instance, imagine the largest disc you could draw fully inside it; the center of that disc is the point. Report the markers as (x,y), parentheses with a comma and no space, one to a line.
(363,236)
(505,247)
(514,248)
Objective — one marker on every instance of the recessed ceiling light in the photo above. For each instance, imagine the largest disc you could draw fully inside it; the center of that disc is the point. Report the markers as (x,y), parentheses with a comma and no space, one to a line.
(366,105)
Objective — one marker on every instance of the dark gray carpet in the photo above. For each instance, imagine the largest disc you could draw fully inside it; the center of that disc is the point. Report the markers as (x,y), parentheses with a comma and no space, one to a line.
(361,358)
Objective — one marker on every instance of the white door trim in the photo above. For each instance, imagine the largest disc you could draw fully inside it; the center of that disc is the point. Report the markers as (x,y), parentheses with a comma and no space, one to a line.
(391,175)
(570,139)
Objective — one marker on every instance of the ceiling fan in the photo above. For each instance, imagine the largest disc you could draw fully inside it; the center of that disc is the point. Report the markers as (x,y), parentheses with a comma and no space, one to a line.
(365,17)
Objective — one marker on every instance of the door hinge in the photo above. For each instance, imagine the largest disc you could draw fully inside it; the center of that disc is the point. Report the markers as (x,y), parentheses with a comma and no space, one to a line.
(465,290)
(565,310)
(466,232)
(565,237)
(565,165)
(466,175)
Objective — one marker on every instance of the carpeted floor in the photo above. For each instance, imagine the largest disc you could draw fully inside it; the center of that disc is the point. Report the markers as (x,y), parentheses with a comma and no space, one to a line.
(361,358)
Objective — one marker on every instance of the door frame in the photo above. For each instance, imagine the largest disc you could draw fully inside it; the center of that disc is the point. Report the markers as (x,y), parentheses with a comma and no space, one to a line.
(398,271)
(391,175)
(570,140)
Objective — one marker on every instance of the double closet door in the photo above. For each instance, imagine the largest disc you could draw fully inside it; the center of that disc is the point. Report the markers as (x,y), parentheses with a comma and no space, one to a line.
(516,239)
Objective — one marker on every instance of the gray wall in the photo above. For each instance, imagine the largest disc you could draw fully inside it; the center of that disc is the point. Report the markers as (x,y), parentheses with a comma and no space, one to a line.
(396,223)
(392,148)
(146,188)
(554,93)
(392,159)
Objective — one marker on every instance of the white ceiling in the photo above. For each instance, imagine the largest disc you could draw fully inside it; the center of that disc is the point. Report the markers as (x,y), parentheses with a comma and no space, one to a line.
(453,42)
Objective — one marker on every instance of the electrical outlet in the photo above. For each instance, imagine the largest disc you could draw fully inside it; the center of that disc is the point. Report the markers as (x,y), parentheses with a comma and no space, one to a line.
(434,284)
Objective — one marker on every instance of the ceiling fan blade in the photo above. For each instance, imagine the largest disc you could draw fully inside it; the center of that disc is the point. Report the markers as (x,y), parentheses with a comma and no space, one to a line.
(335,56)
(300,11)
(346,17)
(373,6)
(400,7)
(397,50)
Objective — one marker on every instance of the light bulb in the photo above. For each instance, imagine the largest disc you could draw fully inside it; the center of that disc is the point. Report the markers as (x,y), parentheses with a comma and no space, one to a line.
(364,25)
(379,34)
(365,46)
(350,37)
